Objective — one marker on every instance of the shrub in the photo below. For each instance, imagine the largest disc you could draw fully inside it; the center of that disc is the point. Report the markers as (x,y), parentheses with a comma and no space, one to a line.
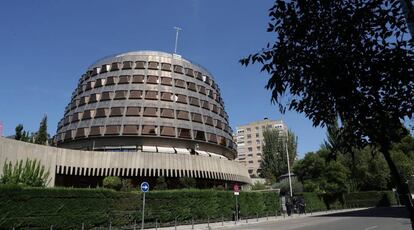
(258,186)
(30,173)
(161,184)
(112,182)
(187,182)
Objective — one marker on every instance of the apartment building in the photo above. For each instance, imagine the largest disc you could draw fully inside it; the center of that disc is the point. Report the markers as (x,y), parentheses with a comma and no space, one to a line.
(249,140)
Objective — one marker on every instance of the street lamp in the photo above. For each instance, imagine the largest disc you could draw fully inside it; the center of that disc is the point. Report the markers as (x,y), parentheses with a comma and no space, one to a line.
(288,163)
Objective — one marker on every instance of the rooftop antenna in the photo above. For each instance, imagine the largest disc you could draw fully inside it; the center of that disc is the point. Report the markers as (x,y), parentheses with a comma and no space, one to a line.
(177,29)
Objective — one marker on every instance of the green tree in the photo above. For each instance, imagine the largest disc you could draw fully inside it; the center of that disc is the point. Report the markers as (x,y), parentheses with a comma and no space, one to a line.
(28,173)
(42,136)
(19,132)
(310,167)
(274,157)
(112,182)
(350,60)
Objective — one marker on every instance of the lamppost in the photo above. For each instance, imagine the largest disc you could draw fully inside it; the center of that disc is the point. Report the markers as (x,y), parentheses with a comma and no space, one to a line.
(288,163)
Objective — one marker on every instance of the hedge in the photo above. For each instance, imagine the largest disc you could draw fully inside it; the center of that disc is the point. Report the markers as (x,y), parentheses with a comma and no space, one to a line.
(66,208)
(321,202)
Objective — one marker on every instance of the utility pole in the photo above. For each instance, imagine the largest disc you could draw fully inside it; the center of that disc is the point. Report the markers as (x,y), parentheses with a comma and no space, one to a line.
(177,30)
(288,163)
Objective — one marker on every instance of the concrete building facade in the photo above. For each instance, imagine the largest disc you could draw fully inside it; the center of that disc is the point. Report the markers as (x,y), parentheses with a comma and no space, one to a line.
(141,114)
(249,141)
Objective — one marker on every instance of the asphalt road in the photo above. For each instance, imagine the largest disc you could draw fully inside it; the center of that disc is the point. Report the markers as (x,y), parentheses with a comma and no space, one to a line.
(370,219)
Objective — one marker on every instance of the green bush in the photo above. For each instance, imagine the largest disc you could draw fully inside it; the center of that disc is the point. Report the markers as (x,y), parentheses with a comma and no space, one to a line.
(66,208)
(28,173)
(370,199)
(112,182)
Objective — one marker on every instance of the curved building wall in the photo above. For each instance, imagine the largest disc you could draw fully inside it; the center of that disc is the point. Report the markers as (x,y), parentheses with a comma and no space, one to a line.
(146,98)
(61,161)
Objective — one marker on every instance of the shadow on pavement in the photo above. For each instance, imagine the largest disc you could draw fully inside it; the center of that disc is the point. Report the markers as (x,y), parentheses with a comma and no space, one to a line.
(391,212)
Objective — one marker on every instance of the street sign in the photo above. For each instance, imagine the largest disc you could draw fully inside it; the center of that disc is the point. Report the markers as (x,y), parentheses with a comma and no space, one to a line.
(236,188)
(145,186)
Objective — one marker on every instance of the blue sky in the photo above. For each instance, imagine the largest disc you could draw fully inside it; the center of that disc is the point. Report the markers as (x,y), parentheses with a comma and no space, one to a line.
(45,46)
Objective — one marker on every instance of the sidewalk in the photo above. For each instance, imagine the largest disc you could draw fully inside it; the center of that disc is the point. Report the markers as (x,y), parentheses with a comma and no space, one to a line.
(226,224)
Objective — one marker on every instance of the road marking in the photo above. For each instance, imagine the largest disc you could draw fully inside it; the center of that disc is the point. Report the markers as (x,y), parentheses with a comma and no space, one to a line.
(372,227)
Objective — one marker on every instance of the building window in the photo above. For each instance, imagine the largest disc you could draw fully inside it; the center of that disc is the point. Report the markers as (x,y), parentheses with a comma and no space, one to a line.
(179,83)
(152,79)
(76,117)
(250,149)
(89,85)
(215,109)
(135,94)
(250,162)
(149,130)
(167,113)
(121,94)
(95,131)
(166,96)
(189,72)
(124,79)
(88,114)
(202,89)
(219,124)
(181,99)
(140,65)
(99,83)
(104,68)
(150,112)
(184,133)
(130,130)
(194,101)
(178,69)
(249,136)
(133,111)
(115,66)
(199,135)
(205,104)
(165,66)
(208,120)
(110,80)
(138,79)
(94,97)
(212,138)
(151,95)
(167,131)
(95,71)
(166,81)
(198,75)
(182,115)
(196,117)
(101,112)
(152,65)
(191,86)
(127,65)
(116,112)
(112,130)
(84,100)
